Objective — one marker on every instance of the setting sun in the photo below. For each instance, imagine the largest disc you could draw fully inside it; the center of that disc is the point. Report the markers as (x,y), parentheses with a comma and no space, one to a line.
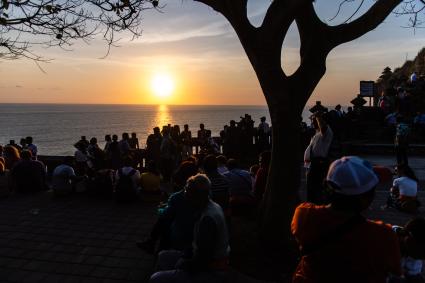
(162,85)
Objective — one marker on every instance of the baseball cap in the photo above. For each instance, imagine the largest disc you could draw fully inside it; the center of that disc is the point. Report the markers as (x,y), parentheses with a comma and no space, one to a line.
(352,176)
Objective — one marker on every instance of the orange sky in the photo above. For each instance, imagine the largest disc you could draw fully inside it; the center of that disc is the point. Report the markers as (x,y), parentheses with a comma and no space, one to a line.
(198,48)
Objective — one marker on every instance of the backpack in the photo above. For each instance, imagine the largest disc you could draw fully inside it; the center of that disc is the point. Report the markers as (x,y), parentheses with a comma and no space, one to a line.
(124,189)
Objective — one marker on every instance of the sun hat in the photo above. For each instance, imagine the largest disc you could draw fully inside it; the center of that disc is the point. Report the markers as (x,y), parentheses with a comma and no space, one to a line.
(352,176)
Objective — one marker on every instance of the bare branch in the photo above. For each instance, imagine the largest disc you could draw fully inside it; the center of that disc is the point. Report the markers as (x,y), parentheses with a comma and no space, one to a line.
(367,22)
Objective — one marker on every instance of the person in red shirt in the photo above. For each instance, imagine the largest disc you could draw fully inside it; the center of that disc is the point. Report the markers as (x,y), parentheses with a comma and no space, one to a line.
(261,176)
(336,242)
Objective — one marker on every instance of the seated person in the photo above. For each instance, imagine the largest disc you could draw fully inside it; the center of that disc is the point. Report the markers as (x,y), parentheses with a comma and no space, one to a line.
(28,175)
(127,181)
(240,184)
(220,191)
(221,164)
(404,191)
(412,244)
(336,242)
(185,170)
(207,260)
(64,178)
(174,227)
(150,180)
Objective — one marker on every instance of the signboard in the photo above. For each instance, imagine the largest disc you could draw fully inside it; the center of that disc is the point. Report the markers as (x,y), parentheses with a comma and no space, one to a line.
(367,88)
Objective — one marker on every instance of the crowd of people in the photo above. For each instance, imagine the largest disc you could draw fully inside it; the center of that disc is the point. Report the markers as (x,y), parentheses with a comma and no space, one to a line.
(200,193)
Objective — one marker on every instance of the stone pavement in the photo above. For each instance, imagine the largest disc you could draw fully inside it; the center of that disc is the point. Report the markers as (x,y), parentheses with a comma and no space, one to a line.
(73,239)
(82,239)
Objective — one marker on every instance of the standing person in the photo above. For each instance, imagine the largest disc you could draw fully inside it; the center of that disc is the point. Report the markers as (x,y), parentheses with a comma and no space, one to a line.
(23,143)
(263,133)
(133,141)
(31,147)
(85,143)
(153,146)
(124,145)
(114,153)
(401,141)
(186,138)
(316,159)
(202,135)
(208,259)
(108,141)
(168,158)
(337,243)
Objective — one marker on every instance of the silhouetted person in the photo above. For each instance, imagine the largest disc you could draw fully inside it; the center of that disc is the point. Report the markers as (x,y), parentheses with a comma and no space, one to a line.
(28,175)
(31,147)
(124,145)
(108,141)
(186,139)
(263,132)
(114,153)
(134,141)
(153,146)
(202,134)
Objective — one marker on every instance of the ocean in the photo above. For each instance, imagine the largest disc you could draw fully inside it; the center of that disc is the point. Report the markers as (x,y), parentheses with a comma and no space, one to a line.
(56,127)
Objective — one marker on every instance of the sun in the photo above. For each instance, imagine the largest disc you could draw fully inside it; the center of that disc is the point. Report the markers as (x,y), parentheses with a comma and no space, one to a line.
(162,85)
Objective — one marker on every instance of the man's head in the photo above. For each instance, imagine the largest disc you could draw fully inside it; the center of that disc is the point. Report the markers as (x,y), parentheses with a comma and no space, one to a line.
(210,164)
(197,190)
(156,131)
(263,119)
(201,126)
(93,141)
(125,136)
(232,123)
(338,107)
(133,135)
(114,137)
(186,127)
(185,170)
(352,181)
(26,155)
(83,138)
(413,238)
(108,138)
(23,142)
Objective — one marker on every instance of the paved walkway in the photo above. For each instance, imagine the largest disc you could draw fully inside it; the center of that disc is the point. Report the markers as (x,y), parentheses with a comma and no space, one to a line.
(81,239)
(77,239)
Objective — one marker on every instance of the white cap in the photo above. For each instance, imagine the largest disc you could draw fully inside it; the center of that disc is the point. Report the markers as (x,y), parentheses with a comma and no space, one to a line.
(352,175)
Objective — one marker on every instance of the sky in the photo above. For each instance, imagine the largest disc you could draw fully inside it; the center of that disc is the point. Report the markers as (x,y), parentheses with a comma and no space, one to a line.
(199,51)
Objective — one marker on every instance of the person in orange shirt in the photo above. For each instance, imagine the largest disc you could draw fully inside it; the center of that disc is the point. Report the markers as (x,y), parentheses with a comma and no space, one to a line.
(336,242)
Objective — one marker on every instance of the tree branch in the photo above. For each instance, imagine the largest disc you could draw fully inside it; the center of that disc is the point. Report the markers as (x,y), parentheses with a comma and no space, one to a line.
(369,21)
(278,19)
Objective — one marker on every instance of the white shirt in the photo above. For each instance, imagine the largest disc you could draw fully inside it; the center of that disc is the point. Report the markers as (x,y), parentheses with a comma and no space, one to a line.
(135,178)
(319,144)
(406,186)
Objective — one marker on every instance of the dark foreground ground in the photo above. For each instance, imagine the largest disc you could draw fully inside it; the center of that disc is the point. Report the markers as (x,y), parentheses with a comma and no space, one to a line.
(81,239)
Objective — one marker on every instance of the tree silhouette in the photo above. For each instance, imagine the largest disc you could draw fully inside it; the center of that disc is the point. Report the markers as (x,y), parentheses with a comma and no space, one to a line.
(287,95)
(27,23)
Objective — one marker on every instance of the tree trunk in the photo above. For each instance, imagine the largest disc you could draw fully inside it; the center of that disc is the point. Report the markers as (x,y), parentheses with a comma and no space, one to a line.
(281,195)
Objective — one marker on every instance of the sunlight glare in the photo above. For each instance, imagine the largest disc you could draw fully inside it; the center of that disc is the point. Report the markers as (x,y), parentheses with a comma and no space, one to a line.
(162,85)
